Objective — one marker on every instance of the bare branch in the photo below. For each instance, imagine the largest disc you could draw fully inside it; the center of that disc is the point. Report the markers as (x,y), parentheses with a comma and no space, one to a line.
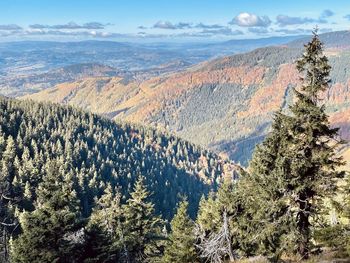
(217,246)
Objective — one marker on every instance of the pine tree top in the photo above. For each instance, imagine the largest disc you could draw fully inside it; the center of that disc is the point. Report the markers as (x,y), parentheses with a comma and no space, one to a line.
(314,67)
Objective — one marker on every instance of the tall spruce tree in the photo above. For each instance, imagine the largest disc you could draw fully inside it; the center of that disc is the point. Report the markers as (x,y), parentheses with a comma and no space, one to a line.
(265,220)
(7,219)
(181,245)
(50,231)
(8,197)
(104,234)
(312,143)
(143,228)
(295,169)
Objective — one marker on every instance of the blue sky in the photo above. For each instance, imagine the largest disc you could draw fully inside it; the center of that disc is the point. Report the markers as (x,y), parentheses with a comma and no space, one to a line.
(167,20)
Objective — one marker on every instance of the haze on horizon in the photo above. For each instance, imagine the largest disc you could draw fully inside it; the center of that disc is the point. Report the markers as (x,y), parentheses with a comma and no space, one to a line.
(156,20)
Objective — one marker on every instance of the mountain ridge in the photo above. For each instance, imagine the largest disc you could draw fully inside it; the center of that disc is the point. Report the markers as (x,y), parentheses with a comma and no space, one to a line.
(100,151)
(22,84)
(29,59)
(225,104)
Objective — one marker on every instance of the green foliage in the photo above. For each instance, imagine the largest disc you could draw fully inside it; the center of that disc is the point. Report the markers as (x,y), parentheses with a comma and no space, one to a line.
(266,219)
(335,237)
(312,145)
(96,156)
(219,232)
(104,232)
(295,168)
(99,151)
(143,229)
(130,232)
(181,244)
(7,196)
(337,234)
(208,214)
(50,232)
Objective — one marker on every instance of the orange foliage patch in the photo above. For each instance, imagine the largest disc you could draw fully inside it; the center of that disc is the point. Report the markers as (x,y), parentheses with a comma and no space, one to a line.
(159,90)
(269,98)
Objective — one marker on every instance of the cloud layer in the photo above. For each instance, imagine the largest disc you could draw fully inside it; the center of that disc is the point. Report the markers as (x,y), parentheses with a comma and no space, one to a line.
(284,20)
(10,27)
(169,25)
(244,23)
(71,25)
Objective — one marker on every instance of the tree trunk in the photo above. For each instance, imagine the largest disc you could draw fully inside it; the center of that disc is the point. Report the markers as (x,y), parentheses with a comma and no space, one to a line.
(228,238)
(303,228)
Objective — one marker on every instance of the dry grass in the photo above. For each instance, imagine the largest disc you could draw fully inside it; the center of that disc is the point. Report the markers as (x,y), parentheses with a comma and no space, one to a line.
(253,260)
(328,256)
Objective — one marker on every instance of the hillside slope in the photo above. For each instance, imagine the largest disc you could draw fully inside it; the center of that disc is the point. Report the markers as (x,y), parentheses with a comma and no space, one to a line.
(30,66)
(98,151)
(226,104)
(14,84)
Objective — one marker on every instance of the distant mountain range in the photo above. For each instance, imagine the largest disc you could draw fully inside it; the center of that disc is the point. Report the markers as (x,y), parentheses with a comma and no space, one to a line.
(337,39)
(18,85)
(27,67)
(225,104)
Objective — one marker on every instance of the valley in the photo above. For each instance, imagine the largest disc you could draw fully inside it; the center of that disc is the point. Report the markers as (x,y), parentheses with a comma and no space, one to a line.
(30,66)
(225,104)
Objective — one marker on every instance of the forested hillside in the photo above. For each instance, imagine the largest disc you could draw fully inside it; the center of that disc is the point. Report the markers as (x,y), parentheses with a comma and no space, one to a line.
(96,154)
(225,104)
(98,151)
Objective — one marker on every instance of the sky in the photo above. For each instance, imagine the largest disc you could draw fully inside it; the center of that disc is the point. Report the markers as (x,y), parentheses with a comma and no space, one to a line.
(166,20)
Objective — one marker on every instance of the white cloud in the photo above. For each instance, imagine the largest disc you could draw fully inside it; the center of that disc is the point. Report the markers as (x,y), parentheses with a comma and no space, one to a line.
(10,27)
(169,25)
(251,20)
(71,25)
(208,26)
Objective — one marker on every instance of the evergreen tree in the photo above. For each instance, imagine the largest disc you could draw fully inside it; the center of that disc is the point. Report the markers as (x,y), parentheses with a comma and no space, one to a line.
(7,219)
(8,199)
(229,203)
(208,217)
(312,143)
(104,237)
(218,224)
(296,167)
(143,229)
(50,232)
(181,245)
(265,220)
